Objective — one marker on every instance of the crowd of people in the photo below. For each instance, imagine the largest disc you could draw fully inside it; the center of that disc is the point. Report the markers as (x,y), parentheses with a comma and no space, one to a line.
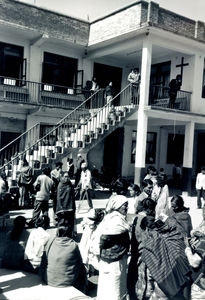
(142,245)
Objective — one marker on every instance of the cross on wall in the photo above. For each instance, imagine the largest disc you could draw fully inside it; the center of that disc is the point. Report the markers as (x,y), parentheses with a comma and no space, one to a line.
(182,65)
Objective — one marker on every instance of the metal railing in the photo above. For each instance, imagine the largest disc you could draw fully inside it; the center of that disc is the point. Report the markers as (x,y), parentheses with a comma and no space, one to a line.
(29,92)
(159,96)
(29,137)
(76,127)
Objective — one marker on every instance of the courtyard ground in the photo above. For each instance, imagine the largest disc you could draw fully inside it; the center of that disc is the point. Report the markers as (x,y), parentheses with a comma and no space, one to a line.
(82,208)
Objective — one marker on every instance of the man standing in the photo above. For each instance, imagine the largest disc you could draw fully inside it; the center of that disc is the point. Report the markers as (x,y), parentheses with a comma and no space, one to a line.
(44,185)
(85,184)
(200,186)
(78,166)
(134,79)
(174,87)
(56,176)
(65,209)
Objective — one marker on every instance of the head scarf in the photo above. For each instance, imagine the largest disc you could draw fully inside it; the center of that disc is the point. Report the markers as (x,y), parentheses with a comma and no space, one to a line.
(115,202)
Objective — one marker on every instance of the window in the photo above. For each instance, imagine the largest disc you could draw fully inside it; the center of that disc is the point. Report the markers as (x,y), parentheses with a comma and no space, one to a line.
(203,83)
(175,148)
(59,70)
(150,147)
(11,61)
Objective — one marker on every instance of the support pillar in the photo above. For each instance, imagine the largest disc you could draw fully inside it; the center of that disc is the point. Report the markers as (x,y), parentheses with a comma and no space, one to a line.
(188,159)
(142,121)
(141,140)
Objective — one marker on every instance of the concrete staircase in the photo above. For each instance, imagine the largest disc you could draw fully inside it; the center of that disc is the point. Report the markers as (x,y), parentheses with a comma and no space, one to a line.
(79,131)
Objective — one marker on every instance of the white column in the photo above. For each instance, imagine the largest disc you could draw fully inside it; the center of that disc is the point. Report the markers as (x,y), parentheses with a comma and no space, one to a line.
(35,64)
(188,145)
(142,117)
(188,158)
(197,73)
(145,72)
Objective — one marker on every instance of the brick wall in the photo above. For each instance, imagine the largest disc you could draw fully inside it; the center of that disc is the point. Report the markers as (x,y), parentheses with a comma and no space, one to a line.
(176,23)
(142,14)
(44,21)
(116,24)
(200,30)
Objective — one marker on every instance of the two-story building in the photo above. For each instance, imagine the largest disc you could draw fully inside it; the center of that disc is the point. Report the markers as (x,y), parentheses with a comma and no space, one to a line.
(46,59)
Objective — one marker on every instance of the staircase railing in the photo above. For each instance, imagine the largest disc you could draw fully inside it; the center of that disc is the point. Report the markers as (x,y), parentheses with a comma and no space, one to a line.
(32,135)
(78,126)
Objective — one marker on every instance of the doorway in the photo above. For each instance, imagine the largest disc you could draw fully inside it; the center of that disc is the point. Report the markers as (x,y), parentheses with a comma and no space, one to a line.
(113,152)
(200,157)
(105,73)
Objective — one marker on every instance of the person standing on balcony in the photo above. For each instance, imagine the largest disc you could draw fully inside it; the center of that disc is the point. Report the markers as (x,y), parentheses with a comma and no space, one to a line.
(174,87)
(134,78)
(25,181)
(200,186)
(94,86)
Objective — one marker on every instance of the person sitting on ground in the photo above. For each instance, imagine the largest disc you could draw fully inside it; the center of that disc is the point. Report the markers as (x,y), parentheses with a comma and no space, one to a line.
(36,244)
(62,264)
(160,195)
(181,214)
(13,255)
(147,187)
(195,252)
(65,209)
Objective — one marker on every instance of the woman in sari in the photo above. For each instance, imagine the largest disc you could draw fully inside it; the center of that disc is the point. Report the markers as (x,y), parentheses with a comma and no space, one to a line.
(113,239)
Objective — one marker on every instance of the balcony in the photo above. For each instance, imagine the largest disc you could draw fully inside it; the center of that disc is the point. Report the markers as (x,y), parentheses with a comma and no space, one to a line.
(28,92)
(159,97)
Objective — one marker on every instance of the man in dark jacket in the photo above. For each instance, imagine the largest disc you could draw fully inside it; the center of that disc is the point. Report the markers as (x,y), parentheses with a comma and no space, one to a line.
(65,208)
(174,87)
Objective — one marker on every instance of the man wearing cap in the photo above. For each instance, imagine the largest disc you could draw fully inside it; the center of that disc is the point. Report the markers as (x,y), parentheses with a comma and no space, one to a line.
(85,184)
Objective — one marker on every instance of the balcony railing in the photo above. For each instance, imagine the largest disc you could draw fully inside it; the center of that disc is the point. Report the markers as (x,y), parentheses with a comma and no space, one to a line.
(28,92)
(159,96)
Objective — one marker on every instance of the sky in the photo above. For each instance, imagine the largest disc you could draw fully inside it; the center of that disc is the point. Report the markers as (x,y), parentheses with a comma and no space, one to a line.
(93,9)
